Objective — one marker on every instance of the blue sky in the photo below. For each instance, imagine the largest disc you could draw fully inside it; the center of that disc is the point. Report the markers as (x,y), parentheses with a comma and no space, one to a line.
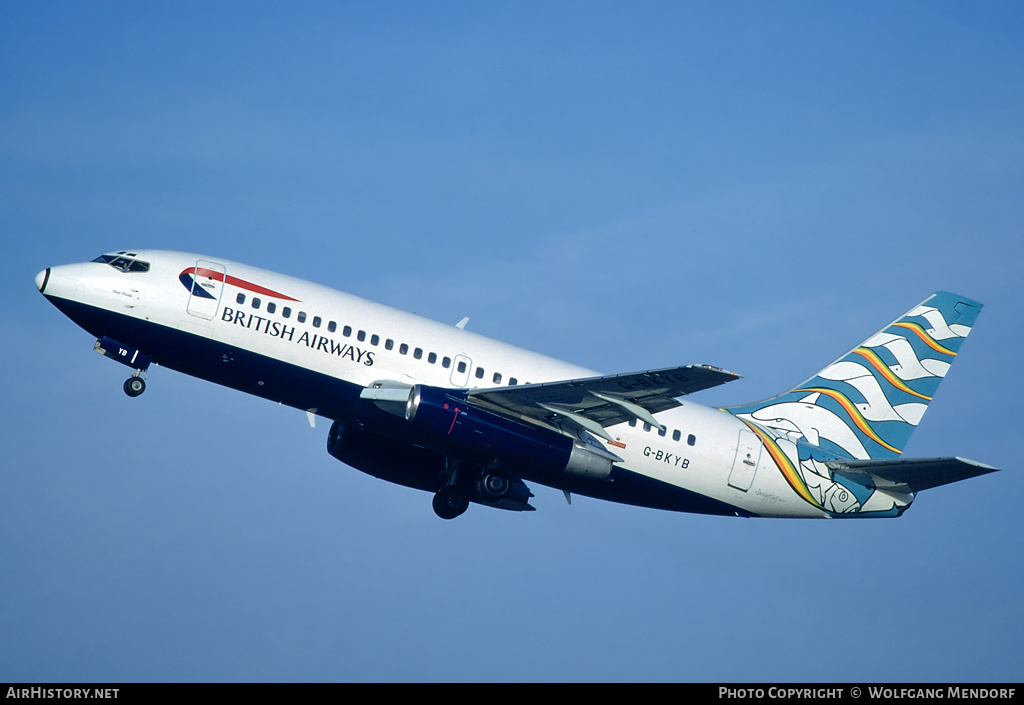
(623,185)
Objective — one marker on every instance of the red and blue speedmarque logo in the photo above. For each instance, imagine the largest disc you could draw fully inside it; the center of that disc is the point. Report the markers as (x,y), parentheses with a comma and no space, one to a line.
(191,278)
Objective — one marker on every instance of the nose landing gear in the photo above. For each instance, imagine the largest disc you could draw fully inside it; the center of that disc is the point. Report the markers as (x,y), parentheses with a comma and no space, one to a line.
(134,386)
(126,355)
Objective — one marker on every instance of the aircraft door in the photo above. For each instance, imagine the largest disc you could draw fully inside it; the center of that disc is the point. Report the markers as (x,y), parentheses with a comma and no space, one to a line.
(461,366)
(744,465)
(206,283)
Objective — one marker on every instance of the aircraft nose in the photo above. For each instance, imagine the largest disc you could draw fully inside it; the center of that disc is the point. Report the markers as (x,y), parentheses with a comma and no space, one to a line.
(41,280)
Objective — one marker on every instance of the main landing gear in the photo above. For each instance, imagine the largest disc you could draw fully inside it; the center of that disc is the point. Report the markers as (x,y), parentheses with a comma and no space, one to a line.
(488,485)
(450,502)
(452,499)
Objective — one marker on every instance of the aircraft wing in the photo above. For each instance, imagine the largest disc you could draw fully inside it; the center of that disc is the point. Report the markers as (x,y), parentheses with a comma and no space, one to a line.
(910,475)
(592,403)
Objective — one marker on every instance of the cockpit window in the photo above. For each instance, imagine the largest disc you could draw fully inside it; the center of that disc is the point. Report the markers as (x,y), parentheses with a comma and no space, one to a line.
(124,262)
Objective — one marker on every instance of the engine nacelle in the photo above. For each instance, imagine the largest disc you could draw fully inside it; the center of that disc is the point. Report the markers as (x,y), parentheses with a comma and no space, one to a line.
(445,416)
(401,463)
(416,467)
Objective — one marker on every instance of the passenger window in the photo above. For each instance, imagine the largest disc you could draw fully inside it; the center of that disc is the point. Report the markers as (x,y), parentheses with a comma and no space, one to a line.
(632,422)
(346,331)
(271,307)
(676,435)
(462,366)
(374,339)
(255,303)
(513,381)
(317,321)
(479,372)
(301,317)
(647,427)
(497,378)
(240,299)
(662,432)
(389,344)
(432,358)
(403,348)
(691,440)
(446,362)
(332,326)
(361,336)
(286,312)
(417,353)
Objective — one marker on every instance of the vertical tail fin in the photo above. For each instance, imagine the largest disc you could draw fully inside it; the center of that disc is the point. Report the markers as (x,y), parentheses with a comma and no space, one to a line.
(868,402)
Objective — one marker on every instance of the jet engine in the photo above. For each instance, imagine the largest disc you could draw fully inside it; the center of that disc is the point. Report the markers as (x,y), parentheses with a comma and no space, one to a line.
(376,455)
(445,417)
(417,467)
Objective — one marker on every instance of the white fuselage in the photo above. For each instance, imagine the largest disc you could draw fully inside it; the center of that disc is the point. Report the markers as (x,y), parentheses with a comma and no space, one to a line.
(315,329)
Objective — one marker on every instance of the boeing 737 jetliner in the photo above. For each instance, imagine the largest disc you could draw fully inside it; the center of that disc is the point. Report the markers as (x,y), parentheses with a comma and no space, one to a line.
(470,419)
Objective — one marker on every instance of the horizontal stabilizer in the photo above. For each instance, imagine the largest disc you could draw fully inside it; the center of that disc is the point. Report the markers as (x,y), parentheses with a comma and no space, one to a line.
(910,475)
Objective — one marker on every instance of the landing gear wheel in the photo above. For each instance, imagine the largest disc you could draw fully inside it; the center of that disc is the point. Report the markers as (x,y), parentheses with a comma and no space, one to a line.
(134,386)
(450,502)
(494,487)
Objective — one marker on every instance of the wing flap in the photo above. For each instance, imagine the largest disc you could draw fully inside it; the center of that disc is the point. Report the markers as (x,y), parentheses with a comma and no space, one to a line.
(593,403)
(911,474)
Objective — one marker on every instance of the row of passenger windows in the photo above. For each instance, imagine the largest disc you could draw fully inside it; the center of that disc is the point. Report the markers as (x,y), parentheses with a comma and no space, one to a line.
(417,353)
(677,435)
(374,339)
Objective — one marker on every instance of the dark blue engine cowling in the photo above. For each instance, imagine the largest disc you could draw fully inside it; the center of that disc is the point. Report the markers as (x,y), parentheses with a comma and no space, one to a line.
(446,416)
(401,463)
(417,467)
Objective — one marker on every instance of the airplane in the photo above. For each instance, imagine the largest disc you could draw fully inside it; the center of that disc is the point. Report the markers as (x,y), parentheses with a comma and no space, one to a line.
(469,419)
